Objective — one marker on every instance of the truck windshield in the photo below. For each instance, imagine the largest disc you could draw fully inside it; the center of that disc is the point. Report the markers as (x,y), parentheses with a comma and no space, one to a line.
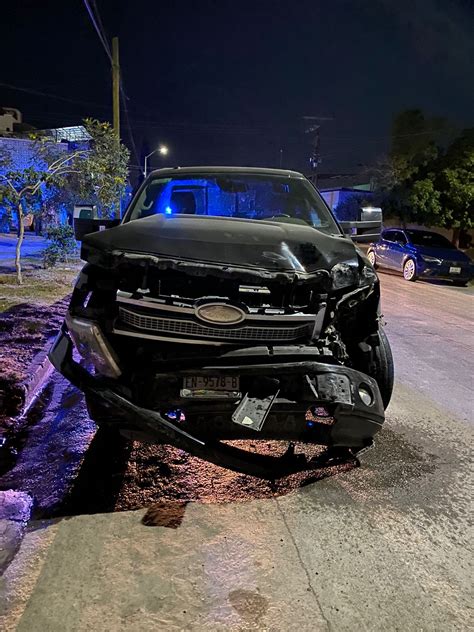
(244,196)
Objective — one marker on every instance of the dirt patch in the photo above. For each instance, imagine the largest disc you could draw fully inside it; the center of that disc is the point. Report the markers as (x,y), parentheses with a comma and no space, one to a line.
(117,475)
(157,473)
(168,514)
(30,315)
(250,605)
(24,330)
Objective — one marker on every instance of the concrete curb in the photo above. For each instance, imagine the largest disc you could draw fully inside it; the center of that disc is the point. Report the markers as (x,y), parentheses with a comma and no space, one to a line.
(16,506)
(15,511)
(40,371)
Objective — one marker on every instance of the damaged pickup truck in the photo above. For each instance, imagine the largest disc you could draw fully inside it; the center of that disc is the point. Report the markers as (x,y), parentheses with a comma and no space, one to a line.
(228,305)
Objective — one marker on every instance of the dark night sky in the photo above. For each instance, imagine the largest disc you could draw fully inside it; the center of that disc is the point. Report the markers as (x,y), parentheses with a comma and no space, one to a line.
(227,81)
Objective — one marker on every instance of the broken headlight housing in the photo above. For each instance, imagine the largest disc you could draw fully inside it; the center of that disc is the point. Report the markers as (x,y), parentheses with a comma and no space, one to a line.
(93,346)
(346,275)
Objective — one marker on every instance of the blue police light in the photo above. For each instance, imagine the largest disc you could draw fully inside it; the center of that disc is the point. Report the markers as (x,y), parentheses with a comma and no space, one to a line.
(168,210)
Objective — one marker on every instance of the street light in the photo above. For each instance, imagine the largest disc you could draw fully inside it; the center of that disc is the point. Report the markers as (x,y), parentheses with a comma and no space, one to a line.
(162,149)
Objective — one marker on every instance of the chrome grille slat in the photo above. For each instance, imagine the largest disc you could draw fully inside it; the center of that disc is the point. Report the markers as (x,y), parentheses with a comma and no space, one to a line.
(187,327)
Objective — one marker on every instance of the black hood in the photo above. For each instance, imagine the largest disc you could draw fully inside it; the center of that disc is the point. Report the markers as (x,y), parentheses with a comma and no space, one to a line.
(226,241)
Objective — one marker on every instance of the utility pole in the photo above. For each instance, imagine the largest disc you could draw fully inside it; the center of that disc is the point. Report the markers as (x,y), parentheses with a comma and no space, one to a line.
(312,127)
(116,103)
(116,86)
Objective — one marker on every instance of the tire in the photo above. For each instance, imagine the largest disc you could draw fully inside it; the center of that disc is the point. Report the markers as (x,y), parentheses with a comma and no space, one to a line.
(371,257)
(409,270)
(379,366)
(383,372)
(460,283)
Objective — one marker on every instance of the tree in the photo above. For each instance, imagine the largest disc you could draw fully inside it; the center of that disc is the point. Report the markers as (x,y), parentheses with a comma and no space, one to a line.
(425,201)
(97,173)
(104,171)
(428,177)
(456,184)
(21,189)
(415,143)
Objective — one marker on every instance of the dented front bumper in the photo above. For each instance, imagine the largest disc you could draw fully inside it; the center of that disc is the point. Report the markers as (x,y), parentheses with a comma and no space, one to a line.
(297,382)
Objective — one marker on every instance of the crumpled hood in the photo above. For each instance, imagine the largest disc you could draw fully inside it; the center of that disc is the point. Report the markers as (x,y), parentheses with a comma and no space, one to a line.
(226,241)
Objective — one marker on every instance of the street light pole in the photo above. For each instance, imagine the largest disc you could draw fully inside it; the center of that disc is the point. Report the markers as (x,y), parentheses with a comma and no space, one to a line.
(116,87)
(116,104)
(162,149)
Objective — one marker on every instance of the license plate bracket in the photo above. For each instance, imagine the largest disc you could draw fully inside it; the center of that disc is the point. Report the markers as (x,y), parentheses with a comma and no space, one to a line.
(252,411)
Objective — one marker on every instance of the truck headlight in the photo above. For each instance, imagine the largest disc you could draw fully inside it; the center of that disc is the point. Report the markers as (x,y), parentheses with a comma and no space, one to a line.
(346,275)
(92,346)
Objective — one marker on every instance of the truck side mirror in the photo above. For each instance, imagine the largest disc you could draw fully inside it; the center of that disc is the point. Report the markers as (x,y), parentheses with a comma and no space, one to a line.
(84,226)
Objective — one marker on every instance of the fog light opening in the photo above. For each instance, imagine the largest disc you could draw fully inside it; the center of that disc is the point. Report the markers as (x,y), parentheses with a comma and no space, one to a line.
(320,411)
(365,394)
(176,415)
(317,415)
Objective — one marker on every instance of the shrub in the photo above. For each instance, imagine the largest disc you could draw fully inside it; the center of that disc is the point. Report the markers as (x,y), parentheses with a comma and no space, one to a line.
(62,245)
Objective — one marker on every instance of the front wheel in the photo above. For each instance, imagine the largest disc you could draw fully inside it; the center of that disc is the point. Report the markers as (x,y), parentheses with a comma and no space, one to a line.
(383,368)
(379,365)
(409,270)
(371,257)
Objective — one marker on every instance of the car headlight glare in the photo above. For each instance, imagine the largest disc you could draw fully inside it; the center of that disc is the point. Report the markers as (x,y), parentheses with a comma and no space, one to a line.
(431,259)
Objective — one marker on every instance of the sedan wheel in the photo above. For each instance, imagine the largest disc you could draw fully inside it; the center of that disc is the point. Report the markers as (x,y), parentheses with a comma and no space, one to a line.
(409,270)
(371,258)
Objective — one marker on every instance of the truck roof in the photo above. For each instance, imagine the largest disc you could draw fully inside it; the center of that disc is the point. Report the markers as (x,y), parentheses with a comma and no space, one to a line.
(235,170)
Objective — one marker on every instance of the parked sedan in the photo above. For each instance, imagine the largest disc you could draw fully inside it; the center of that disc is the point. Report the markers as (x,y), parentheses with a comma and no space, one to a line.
(421,254)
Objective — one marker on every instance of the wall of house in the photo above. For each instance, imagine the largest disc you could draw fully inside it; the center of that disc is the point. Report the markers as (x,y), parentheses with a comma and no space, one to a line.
(8,118)
(331,198)
(21,155)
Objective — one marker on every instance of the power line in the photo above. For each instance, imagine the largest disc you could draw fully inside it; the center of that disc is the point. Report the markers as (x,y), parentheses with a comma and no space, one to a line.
(199,127)
(127,118)
(99,27)
(432,131)
(123,95)
(51,96)
(98,31)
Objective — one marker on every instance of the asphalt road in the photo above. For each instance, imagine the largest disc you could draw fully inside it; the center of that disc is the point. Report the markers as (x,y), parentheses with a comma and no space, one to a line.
(31,247)
(387,546)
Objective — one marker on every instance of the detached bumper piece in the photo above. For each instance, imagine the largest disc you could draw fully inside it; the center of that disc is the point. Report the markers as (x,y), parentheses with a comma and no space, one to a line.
(353,398)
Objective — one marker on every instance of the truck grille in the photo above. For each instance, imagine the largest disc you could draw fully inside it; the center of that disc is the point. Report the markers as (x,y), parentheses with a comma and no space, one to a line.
(171,326)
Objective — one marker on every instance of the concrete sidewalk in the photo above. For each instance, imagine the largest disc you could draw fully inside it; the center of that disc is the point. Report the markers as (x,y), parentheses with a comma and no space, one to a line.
(383,547)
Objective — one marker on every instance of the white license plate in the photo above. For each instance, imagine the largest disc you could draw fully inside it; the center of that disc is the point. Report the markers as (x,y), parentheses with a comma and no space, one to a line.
(211,383)
(454,270)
